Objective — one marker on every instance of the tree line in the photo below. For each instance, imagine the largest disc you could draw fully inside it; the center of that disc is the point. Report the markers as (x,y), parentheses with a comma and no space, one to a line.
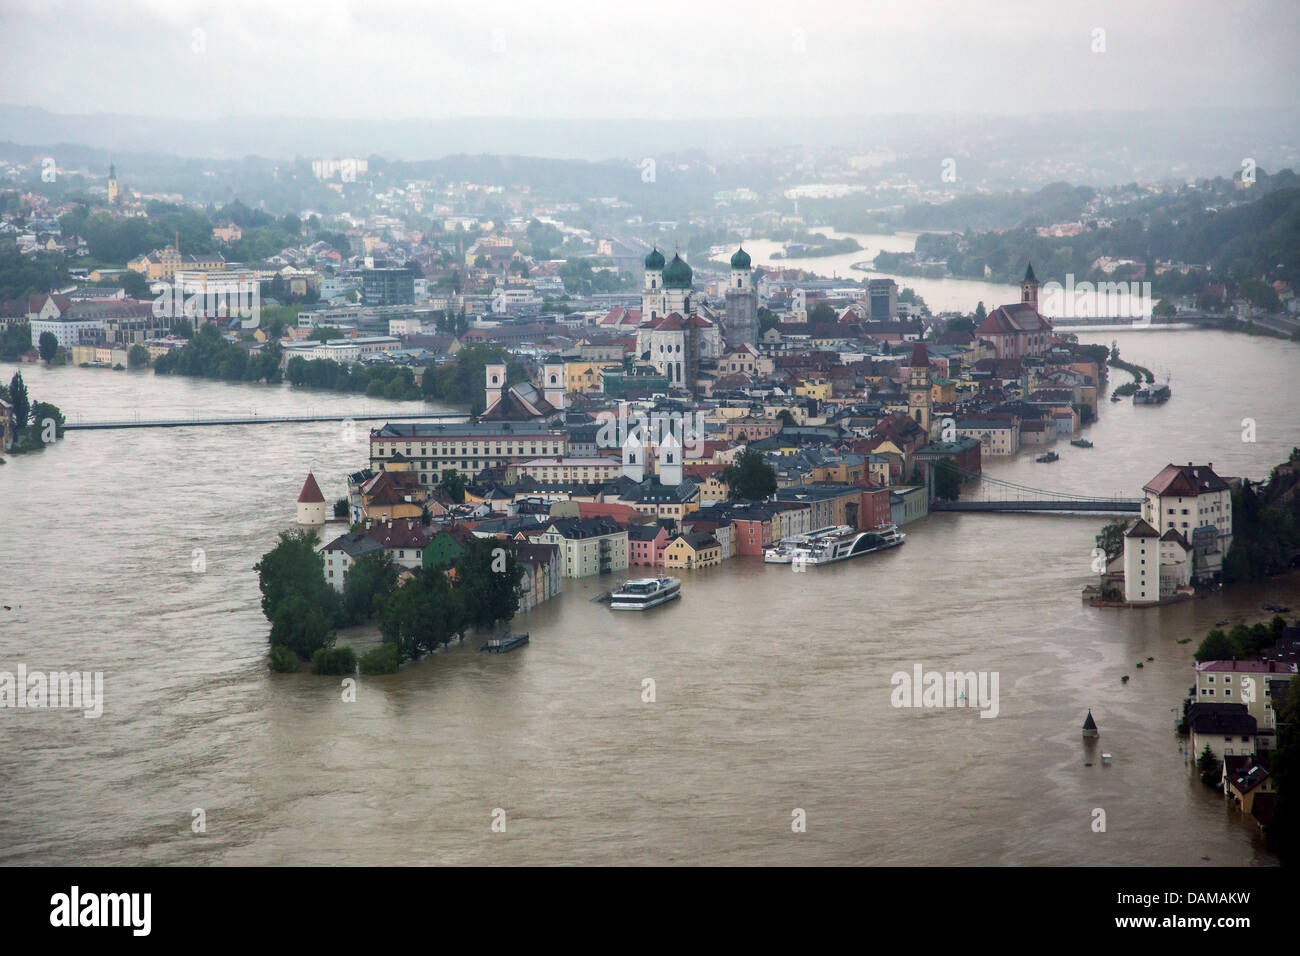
(435,606)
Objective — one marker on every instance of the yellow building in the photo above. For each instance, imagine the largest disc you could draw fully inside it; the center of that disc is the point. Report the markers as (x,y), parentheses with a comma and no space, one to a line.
(813,388)
(165,263)
(581,377)
(693,551)
(943,391)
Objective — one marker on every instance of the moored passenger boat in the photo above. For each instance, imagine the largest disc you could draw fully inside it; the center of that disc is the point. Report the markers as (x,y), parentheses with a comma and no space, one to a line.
(640,594)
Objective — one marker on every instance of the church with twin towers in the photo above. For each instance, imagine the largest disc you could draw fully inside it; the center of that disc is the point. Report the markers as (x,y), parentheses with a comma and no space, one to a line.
(678,332)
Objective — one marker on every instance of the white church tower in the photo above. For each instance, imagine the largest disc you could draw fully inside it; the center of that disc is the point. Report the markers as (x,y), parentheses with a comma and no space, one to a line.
(496,382)
(634,452)
(670,459)
(553,385)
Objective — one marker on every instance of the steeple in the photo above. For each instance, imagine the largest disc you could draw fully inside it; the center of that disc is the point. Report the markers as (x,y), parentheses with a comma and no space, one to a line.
(1029,288)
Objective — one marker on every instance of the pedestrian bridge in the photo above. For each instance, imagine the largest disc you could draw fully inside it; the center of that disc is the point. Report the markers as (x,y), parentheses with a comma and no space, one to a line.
(256,419)
(1117,506)
(999,496)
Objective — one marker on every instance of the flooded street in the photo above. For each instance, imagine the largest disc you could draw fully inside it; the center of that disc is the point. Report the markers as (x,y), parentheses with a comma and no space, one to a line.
(772,690)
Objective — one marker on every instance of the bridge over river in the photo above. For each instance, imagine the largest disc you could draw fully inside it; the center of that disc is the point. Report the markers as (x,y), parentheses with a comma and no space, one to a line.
(1008,497)
(255,419)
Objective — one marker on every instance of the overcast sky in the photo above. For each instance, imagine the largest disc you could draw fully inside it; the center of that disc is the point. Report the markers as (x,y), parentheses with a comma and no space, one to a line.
(688,59)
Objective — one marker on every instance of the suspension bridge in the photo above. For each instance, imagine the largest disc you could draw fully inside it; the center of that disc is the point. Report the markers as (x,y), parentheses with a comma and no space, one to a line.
(254,419)
(1013,498)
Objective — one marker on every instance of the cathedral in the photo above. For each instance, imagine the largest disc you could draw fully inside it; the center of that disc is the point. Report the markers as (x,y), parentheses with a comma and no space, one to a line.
(676,333)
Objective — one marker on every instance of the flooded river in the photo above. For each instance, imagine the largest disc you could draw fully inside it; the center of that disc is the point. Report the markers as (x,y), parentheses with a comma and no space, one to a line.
(772,690)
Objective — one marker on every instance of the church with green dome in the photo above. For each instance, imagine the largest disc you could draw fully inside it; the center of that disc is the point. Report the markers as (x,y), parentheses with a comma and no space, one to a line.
(676,332)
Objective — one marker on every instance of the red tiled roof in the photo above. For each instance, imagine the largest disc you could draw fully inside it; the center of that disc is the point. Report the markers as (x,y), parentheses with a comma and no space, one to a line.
(1018,317)
(1185,480)
(310,491)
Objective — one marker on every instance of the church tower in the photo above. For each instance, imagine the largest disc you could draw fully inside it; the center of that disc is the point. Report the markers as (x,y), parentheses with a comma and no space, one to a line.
(1029,288)
(553,388)
(634,452)
(742,304)
(670,460)
(652,289)
(678,280)
(919,398)
(112,185)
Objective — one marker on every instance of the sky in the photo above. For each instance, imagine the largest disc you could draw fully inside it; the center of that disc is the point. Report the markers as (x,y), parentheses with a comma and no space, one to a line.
(698,59)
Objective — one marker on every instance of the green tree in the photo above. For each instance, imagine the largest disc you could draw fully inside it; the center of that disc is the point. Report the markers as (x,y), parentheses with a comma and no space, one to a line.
(381,660)
(18,398)
(334,660)
(1217,646)
(453,482)
(137,357)
(947,480)
(423,615)
(749,476)
(370,580)
(49,347)
(1111,539)
(302,627)
(489,580)
(300,604)
(43,412)
(786,419)
(1210,768)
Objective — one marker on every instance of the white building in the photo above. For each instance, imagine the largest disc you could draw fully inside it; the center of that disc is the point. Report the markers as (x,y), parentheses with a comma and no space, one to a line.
(1197,503)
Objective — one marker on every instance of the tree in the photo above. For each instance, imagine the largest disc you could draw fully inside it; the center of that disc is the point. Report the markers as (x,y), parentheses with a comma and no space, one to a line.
(18,398)
(1111,539)
(300,604)
(422,615)
(961,324)
(302,627)
(49,347)
(43,412)
(823,314)
(371,579)
(489,581)
(947,480)
(1217,646)
(341,508)
(453,482)
(786,419)
(749,476)
(137,357)
(1211,770)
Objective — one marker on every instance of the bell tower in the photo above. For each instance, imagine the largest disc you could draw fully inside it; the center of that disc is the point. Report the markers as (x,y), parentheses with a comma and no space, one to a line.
(1029,288)
(919,398)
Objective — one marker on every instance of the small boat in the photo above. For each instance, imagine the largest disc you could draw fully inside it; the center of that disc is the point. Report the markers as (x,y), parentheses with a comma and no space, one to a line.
(1224,623)
(1090,726)
(1050,456)
(1105,760)
(641,594)
(500,645)
(1275,608)
(1080,443)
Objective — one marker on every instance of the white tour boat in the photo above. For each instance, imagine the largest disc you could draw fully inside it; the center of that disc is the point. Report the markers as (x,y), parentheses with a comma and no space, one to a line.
(640,594)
